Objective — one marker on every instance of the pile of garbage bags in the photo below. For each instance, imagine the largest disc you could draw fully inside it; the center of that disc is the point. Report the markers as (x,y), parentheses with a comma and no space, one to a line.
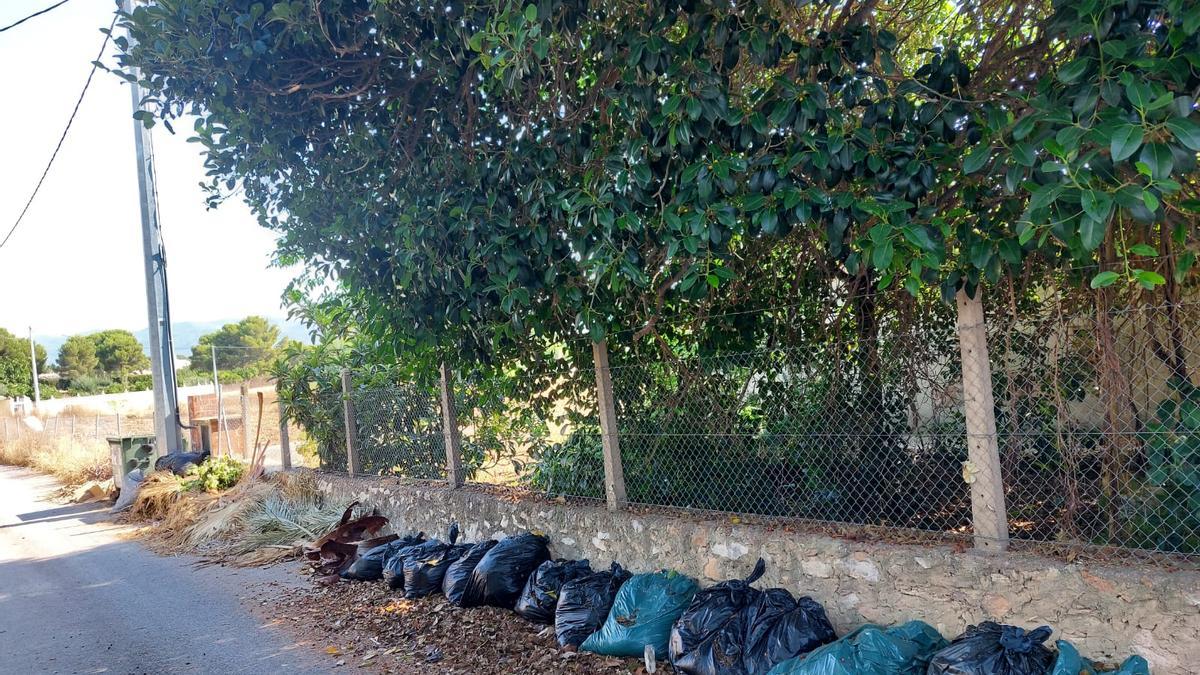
(729,628)
(539,599)
(583,604)
(916,648)
(500,575)
(642,614)
(732,627)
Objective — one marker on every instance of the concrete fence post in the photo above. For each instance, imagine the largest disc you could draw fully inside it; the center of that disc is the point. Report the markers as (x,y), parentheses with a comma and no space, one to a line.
(614,473)
(285,442)
(453,440)
(118,423)
(989,515)
(352,467)
(244,402)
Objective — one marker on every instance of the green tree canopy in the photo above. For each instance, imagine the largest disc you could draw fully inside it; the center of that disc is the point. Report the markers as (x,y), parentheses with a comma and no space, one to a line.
(496,176)
(77,357)
(16,379)
(119,352)
(253,340)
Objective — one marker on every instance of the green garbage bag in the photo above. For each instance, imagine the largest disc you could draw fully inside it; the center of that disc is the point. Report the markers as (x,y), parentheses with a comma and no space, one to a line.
(1069,662)
(642,614)
(871,650)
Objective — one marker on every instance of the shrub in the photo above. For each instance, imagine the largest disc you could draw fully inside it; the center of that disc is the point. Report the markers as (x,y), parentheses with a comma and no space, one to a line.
(574,467)
(215,474)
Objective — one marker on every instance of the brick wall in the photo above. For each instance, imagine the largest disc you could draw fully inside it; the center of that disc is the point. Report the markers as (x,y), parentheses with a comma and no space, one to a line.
(202,412)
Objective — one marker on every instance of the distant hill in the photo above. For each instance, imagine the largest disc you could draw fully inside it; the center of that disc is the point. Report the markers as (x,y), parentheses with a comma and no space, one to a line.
(186,335)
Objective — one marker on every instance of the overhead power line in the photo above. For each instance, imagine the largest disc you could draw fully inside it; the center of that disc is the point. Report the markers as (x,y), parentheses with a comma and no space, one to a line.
(35,14)
(54,155)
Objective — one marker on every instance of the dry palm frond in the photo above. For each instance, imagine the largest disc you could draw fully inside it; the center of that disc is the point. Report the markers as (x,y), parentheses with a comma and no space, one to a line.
(267,555)
(257,522)
(158,493)
(280,521)
(226,514)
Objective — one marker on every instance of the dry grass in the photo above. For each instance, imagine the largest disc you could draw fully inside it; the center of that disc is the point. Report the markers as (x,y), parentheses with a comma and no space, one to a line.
(72,461)
(158,494)
(256,522)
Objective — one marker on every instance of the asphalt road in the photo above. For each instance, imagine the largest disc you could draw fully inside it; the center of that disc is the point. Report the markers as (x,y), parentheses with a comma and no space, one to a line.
(78,597)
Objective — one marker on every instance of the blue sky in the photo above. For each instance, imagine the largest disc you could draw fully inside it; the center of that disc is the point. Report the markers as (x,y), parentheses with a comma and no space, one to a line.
(75,263)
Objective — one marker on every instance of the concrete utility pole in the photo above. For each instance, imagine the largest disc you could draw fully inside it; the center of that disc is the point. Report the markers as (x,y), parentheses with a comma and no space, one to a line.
(217,396)
(162,360)
(37,387)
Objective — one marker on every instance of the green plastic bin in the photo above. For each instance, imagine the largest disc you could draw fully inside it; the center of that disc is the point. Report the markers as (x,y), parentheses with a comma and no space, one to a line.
(131,452)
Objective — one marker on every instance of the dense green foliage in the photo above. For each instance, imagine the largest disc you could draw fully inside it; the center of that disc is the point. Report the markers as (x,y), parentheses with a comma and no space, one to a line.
(492,184)
(480,176)
(119,353)
(105,362)
(77,358)
(16,379)
(253,341)
(1170,514)
(214,474)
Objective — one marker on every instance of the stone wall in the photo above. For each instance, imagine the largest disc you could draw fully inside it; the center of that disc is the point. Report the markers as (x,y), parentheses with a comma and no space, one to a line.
(1109,612)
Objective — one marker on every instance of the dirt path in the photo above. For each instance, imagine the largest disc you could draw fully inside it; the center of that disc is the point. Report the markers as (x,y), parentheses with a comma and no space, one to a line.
(78,596)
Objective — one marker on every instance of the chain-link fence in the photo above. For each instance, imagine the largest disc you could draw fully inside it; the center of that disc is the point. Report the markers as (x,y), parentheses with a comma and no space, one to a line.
(399,431)
(543,434)
(1098,421)
(871,412)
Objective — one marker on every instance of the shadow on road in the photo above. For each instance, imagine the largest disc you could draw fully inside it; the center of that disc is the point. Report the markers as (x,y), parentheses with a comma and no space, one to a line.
(89,513)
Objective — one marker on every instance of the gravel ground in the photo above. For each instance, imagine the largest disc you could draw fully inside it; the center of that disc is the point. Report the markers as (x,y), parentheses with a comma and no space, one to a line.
(366,625)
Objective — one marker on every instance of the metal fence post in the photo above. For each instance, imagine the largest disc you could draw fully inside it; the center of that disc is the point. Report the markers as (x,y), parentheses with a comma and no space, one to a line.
(72,427)
(989,516)
(245,405)
(454,465)
(118,423)
(351,425)
(614,474)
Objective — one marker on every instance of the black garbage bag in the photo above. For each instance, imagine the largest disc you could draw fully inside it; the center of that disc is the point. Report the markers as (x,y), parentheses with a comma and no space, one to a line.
(458,574)
(994,649)
(393,569)
(179,462)
(423,574)
(369,566)
(707,639)
(502,572)
(539,598)
(781,627)
(583,604)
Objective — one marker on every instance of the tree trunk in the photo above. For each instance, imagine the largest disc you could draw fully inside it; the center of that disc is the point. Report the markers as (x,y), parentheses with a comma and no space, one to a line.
(1119,438)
